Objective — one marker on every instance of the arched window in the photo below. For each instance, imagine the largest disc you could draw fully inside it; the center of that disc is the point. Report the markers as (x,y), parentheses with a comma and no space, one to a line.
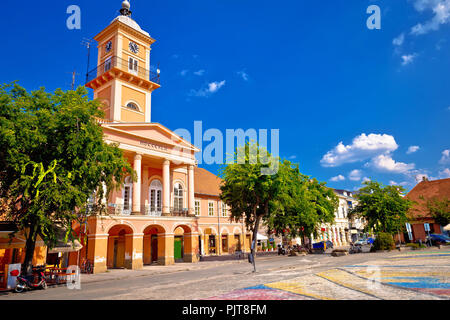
(127,195)
(155,198)
(178,197)
(132,106)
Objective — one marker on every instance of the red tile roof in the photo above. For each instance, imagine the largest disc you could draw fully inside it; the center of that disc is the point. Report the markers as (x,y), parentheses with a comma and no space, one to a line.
(206,182)
(436,189)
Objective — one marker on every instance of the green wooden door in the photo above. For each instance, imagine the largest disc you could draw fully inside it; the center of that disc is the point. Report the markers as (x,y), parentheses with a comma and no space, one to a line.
(177,248)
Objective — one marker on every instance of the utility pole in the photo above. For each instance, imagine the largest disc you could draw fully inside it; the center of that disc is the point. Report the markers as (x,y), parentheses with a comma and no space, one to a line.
(87,43)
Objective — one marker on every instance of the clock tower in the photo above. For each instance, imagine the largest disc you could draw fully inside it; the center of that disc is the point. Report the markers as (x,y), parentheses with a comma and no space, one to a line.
(122,80)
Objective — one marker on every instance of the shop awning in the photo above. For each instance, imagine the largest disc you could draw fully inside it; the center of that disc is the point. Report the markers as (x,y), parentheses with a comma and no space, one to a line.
(62,246)
(67,247)
(261,237)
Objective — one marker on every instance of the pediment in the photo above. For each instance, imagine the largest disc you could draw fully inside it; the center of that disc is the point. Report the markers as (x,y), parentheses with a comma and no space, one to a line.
(151,131)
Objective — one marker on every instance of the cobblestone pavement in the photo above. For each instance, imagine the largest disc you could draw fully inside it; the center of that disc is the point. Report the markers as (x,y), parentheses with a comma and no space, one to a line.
(398,275)
(410,276)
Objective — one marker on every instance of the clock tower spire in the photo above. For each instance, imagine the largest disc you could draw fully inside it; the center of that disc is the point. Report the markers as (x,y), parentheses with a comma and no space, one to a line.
(125,11)
(122,80)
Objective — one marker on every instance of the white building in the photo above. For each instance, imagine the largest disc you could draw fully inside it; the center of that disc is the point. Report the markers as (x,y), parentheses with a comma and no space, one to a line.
(343,231)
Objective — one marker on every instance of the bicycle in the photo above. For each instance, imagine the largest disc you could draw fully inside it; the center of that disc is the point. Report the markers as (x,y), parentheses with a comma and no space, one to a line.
(86,266)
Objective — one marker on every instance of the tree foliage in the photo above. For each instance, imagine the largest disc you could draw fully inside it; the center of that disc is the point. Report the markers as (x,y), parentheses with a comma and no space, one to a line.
(439,210)
(52,159)
(246,189)
(383,207)
(303,204)
(284,200)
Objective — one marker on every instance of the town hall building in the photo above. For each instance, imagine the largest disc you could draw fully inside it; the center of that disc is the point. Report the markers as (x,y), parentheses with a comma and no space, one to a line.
(172,212)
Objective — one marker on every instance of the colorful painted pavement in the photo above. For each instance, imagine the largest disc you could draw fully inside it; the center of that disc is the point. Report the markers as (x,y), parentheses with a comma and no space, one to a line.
(410,276)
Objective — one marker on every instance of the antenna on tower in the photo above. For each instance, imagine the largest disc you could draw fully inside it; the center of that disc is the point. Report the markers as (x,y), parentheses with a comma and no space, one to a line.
(87,43)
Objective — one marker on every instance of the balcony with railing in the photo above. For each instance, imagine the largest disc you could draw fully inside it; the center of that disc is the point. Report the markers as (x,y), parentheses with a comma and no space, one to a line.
(127,69)
(116,209)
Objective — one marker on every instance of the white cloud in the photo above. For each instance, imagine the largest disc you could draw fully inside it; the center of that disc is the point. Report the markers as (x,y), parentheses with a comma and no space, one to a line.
(399,40)
(385,163)
(445,157)
(419,177)
(363,147)
(183,72)
(412,149)
(393,183)
(243,74)
(441,15)
(407,59)
(355,175)
(215,86)
(211,88)
(444,173)
(338,178)
(199,72)
(292,157)
(366,179)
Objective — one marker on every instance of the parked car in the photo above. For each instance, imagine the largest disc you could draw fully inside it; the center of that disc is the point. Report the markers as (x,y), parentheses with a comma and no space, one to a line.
(437,239)
(361,242)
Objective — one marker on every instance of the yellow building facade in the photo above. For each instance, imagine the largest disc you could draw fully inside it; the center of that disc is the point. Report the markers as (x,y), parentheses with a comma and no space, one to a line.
(172,213)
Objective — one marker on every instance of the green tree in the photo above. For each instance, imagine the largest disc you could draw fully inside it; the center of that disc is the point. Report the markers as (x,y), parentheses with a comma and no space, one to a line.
(247,188)
(52,159)
(302,205)
(383,207)
(440,210)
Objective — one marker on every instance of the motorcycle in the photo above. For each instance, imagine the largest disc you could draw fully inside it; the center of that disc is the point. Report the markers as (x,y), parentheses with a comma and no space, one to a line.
(30,282)
(282,251)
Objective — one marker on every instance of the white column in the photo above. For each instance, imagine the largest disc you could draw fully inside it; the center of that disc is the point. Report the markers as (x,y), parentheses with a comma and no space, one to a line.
(116,103)
(144,186)
(191,190)
(166,186)
(137,184)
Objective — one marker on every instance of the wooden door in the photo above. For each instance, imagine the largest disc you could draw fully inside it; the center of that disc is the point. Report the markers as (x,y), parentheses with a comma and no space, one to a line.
(154,252)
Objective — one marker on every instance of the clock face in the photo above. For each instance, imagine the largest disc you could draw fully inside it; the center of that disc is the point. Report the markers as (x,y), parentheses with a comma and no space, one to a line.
(108,46)
(134,47)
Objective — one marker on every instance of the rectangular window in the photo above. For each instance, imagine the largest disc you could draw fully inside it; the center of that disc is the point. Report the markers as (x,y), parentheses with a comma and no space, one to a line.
(108,64)
(224,210)
(158,201)
(127,199)
(133,65)
(211,209)
(197,207)
(152,201)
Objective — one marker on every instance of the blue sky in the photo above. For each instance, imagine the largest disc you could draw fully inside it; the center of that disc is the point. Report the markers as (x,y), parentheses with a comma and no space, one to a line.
(344,97)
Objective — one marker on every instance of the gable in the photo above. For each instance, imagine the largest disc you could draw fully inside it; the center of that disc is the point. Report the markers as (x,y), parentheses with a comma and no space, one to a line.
(151,131)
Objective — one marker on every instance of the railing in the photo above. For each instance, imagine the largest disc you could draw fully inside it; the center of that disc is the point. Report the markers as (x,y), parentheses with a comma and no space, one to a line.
(124,65)
(147,210)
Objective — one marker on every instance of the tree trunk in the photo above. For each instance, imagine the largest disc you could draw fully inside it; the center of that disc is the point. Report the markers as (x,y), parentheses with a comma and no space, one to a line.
(27,266)
(255,234)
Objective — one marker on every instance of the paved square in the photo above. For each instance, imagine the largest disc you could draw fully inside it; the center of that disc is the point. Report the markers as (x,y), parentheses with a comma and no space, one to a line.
(410,275)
